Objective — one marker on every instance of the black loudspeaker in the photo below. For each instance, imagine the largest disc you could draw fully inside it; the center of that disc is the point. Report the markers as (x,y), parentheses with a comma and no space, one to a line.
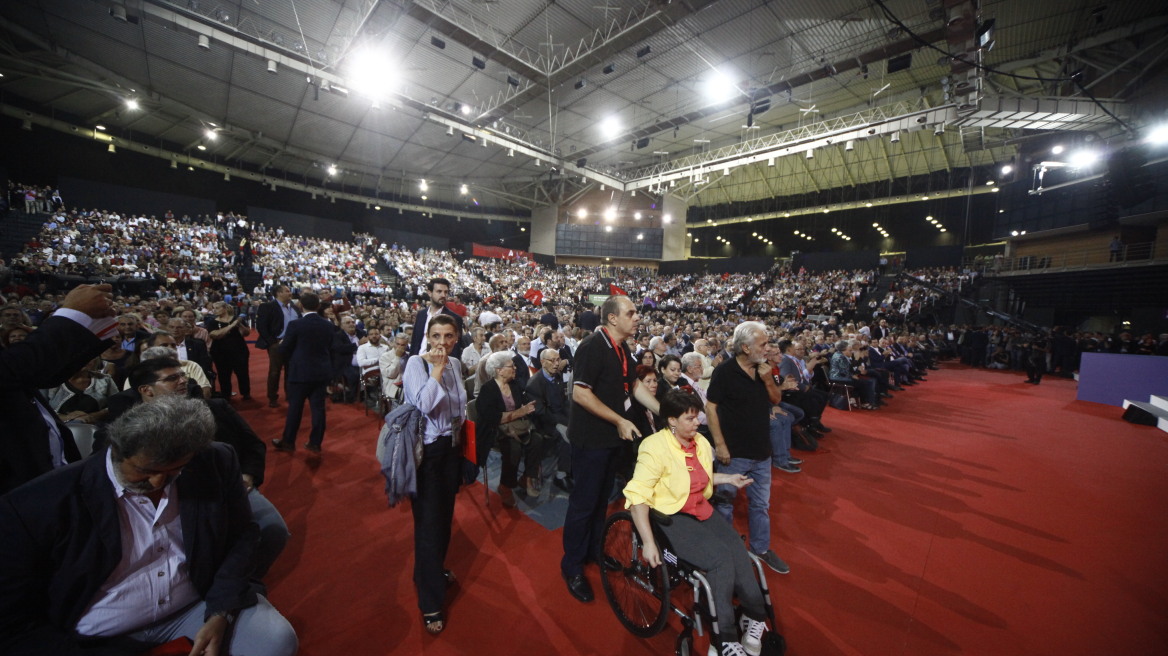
(1138,415)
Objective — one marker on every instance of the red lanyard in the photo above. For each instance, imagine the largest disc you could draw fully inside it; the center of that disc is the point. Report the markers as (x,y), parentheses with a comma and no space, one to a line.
(620,355)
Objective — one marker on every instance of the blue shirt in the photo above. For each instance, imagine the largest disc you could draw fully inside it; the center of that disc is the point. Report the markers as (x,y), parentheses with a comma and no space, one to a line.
(443,405)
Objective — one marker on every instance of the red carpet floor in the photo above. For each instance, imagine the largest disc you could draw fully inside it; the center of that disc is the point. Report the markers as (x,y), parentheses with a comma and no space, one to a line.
(975,514)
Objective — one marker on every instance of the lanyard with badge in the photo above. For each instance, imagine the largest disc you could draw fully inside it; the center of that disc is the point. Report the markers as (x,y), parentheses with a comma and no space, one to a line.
(624,362)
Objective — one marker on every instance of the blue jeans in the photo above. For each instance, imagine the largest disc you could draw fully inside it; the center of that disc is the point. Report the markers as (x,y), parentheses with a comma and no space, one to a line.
(758,494)
(781,438)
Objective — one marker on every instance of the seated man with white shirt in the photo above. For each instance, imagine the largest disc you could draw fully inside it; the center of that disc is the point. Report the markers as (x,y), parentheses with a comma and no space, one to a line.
(118,553)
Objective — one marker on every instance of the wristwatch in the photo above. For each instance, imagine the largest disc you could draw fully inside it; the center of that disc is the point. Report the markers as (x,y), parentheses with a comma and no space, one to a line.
(228,615)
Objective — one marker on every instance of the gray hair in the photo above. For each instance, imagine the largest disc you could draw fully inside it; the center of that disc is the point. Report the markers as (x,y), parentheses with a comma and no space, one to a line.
(156,352)
(690,359)
(654,342)
(745,333)
(496,360)
(841,345)
(166,430)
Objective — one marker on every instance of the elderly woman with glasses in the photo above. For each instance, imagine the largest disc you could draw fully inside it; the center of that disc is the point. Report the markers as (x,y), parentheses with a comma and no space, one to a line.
(503,410)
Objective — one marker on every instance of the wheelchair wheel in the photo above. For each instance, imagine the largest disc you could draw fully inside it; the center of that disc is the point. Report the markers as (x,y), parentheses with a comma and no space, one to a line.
(638,594)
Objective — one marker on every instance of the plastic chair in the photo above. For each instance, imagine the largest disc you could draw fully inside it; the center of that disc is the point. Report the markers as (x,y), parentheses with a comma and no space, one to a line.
(83,435)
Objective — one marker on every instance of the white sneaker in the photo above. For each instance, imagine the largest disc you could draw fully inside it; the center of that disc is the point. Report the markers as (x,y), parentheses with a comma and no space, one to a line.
(752,631)
(732,649)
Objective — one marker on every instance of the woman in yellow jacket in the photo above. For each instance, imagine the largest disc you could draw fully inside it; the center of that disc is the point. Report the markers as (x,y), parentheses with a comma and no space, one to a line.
(673,476)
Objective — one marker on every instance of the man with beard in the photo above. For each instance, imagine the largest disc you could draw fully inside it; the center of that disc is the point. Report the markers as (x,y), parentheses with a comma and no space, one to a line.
(738,411)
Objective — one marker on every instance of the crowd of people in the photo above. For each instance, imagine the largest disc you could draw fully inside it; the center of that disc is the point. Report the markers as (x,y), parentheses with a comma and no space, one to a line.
(736,372)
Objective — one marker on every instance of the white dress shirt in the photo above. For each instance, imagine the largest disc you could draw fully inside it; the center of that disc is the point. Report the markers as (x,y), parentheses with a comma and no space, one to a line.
(368,355)
(152,579)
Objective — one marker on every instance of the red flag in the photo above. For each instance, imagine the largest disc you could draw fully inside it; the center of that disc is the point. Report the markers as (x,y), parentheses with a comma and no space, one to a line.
(725,276)
(534,295)
(616,291)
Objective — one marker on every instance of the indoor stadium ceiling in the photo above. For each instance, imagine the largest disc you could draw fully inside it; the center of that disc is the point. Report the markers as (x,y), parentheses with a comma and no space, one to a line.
(392,92)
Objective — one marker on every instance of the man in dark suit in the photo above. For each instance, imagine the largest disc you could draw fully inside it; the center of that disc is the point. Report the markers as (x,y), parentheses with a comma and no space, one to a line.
(546,389)
(33,440)
(307,347)
(64,585)
(439,288)
(188,347)
(588,319)
(272,320)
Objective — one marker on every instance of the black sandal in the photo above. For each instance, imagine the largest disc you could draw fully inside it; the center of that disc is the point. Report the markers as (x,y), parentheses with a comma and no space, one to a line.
(435,623)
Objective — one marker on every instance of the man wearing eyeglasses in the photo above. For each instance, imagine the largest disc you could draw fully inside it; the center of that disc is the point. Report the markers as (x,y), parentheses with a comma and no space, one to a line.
(145,541)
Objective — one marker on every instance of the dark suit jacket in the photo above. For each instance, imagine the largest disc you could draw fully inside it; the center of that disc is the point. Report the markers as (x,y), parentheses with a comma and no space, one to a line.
(50,355)
(540,390)
(270,323)
(420,332)
(307,347)
(197,353)
(61,540)
(522,373)
(343,351)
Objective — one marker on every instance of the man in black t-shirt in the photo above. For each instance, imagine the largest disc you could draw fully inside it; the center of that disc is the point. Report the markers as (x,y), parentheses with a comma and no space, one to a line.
(738,411)
(604,384)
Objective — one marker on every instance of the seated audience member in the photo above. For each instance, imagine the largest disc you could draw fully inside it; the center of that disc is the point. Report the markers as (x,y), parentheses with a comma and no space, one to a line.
(842,372)
(14,334)
(345,364)
(114,508)
(163,338)
(549,393)
(675,476)
(189,348)
(669,369)
(392,363)
(501,403)
(859,356)
(475,351)
(84,396)
(692,366)
(497,343)
(805,396)
(154,379)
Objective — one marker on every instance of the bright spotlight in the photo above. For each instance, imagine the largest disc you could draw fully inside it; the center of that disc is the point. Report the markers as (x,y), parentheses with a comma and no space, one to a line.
(1013,233)
(610,128)
(1057,150)
(1083,159)
(371,74)
(465,109)
(463,190)
(667,218)
(610,214)
(637,216)
(719,86)
(132,104)
(211,136)
(332,169)
(1158,135)
(423,186)
(1007,169)
(582,213)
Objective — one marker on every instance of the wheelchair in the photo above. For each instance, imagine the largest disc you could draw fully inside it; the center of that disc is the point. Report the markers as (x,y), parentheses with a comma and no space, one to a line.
(643,597)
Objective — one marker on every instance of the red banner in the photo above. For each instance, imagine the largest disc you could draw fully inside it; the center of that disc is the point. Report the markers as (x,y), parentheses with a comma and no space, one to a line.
(614,290)
(498,252)
(534,296)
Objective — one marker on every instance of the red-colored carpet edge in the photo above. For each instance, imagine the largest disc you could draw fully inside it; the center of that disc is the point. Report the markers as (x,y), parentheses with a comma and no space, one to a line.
(974,514)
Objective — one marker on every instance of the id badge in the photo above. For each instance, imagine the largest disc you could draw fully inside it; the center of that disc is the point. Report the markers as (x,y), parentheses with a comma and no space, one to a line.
(628,404)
